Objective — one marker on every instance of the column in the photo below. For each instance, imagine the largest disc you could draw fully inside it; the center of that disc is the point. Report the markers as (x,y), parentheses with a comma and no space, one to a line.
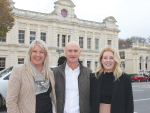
(85,41)
(133,62)
(66,41)
(16,34)
(27,39)
(48,36)
(93,42)
(85,61)
(93,63)
(137,62)
(38,34)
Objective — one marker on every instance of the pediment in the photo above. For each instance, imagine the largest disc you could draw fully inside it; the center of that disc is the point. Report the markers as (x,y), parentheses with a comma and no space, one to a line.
(110,19)
(65,2)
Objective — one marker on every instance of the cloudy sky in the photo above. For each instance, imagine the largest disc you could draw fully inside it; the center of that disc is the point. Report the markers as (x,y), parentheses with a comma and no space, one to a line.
(132,16)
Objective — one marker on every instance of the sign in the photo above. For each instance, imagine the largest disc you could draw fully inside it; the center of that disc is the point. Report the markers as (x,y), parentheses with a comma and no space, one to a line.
(142,70)
(60,51)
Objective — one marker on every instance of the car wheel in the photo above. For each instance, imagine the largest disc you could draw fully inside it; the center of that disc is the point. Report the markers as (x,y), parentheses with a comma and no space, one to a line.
(139,80)
(0,102)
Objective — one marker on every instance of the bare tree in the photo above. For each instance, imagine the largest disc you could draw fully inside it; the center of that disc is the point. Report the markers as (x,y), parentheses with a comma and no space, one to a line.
(134,39)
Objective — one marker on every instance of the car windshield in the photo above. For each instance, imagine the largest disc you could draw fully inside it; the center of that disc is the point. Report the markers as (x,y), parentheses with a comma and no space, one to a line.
(5,71)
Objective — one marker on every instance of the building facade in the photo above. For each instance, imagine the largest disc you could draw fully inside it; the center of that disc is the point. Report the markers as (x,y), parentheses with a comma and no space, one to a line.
(135,59)
(57,29)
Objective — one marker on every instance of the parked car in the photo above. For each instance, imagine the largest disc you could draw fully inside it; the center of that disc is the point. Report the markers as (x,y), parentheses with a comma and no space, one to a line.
(139,78)
(4,78)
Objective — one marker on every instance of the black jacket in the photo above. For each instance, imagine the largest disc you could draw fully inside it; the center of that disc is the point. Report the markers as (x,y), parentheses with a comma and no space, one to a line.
(122,97)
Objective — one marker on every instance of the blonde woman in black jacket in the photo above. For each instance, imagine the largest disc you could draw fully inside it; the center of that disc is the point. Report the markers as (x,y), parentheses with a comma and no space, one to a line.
(111,90)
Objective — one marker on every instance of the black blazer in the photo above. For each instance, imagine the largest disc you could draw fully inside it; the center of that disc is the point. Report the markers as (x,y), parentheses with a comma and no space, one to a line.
(122,97)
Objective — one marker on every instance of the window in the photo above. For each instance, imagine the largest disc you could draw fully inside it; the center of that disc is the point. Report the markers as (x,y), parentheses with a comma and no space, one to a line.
(96,43)
(96,64)
(21,36)
(69,38)
(89,64)
(122,55)
(43,37)
(88,43)
(58,40)
(123,65)
(32,36)
(20,60)
(146,64)
(140,63)
(63,40)
(81,42)
(3,39)
(109,42)
(2,63)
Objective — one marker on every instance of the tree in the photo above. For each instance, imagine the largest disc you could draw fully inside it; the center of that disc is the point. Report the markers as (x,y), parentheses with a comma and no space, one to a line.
(134,39)
(6,18)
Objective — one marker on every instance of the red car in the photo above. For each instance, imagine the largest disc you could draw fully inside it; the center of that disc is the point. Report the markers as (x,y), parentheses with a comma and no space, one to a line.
(139,78)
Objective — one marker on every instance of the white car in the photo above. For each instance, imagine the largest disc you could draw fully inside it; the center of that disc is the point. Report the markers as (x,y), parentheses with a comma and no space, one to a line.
(4,77)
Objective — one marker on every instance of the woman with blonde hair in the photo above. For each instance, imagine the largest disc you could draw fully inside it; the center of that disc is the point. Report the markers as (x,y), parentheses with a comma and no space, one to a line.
(111,90)
(31,85)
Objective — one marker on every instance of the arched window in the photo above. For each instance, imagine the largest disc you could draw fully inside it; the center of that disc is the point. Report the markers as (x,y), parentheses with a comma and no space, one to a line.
(140,63)
(146,63)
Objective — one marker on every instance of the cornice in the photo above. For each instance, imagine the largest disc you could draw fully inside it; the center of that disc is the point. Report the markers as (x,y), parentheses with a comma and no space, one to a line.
(55,18)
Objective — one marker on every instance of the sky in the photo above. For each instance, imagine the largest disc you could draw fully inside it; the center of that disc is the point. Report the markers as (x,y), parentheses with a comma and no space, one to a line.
(132,16)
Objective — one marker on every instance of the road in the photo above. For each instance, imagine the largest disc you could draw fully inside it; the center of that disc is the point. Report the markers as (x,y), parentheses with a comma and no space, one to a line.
(141,94)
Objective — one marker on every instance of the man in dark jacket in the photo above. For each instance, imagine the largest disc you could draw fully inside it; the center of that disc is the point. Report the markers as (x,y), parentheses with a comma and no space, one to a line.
(72,83)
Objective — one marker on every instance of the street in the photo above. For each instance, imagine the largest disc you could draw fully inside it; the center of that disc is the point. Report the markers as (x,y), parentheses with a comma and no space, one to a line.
(141,94)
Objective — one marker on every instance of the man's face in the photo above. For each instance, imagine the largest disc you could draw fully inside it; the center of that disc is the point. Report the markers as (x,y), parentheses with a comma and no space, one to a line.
(72,52)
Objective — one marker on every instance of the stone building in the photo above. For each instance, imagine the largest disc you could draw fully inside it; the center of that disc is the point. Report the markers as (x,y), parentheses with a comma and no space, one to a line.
(57,29)
(135,59)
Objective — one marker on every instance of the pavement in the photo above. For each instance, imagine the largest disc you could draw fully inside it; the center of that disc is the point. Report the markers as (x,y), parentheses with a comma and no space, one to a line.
(141,95)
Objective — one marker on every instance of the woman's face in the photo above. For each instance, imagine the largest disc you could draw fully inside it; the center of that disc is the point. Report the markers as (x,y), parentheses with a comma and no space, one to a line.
(108,61)
(37,55)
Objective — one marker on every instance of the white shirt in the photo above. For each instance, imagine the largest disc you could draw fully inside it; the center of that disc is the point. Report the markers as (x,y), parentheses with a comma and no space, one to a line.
(71,90)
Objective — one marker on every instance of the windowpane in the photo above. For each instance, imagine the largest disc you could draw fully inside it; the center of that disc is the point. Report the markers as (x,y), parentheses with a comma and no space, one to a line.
(2,63)
(69,38)
(3,39)
(109,42)
(140,63)
(146,64)
(20,60)
(96,43)
(21,36)
(43,37)
(96,64)
(89,64)
(88,43)
(81,42)
(123,65)
(58,40)
(122,55)
(32,36)
(63,40)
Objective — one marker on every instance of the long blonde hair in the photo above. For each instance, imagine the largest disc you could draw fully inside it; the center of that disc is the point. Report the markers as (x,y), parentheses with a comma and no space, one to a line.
(117,70)
(46,63)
